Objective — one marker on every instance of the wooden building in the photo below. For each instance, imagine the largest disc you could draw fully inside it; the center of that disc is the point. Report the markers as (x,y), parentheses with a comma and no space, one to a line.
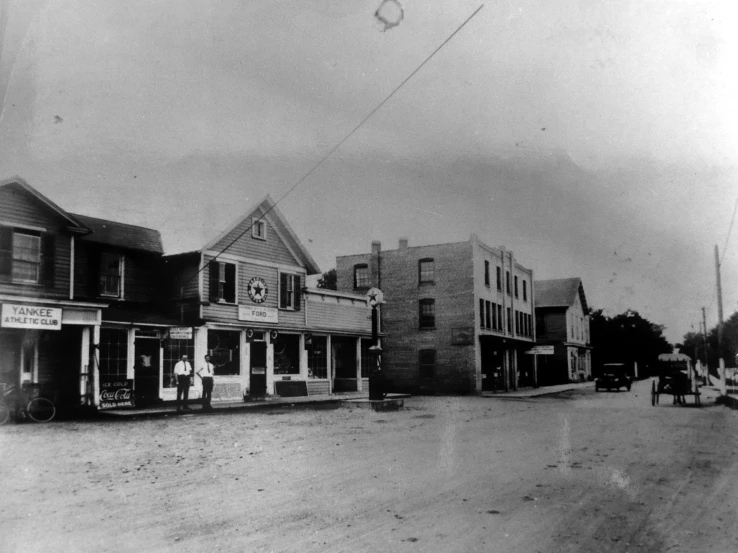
(458,317)
(242,299)
(562,322)
(46,329)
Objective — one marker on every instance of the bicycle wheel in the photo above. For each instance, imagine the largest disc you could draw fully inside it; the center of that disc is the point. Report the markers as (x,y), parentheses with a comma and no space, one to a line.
(41,409)
(4,412)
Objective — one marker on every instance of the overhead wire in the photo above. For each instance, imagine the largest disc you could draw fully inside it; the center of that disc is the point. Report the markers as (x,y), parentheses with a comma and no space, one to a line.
(337,146)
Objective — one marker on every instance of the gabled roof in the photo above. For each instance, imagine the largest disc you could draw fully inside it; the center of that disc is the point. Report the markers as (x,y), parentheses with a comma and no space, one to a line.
(121,235)
(74,224)
(275,218)
(561,292)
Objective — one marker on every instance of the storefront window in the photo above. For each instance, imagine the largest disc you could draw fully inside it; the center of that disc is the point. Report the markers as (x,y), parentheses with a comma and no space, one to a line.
(225,351)
(287,354)
(173,352)
(113,361)
(318,357)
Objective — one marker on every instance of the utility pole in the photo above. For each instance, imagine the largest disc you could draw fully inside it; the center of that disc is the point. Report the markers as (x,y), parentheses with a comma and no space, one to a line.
(721,361)
(703,331)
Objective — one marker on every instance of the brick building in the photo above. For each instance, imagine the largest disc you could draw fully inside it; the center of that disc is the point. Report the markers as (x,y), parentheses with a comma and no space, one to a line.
(562,322)
(458,317)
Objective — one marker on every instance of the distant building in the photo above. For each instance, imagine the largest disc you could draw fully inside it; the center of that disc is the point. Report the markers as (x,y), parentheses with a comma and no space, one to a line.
(458,317)
(562,322)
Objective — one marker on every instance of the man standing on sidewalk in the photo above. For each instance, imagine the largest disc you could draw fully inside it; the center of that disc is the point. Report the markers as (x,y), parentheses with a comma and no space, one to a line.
(182,372)
(206,374)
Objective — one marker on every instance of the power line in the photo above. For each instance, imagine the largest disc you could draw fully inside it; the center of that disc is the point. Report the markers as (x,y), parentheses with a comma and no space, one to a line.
(337,146)
(730,228)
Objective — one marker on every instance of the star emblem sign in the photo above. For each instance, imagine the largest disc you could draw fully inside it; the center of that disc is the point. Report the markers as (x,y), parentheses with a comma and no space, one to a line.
(257,290)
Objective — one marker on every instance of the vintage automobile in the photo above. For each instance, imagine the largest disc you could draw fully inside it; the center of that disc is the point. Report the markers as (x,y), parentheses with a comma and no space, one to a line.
(614,376)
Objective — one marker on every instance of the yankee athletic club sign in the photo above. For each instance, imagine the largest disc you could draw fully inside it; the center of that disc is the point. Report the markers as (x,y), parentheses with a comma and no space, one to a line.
(26,316)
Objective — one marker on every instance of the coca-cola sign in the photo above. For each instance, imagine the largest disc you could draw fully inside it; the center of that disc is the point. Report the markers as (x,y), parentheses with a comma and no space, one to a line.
(117,393)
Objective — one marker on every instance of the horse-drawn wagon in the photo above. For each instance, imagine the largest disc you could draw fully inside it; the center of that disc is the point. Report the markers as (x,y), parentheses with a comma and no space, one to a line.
(676,377)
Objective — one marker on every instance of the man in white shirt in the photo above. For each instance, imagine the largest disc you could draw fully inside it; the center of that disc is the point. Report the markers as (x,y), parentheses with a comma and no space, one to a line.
(206,373)
(182,372)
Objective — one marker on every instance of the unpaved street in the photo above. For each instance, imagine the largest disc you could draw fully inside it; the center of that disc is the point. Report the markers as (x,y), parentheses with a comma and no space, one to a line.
(578,472)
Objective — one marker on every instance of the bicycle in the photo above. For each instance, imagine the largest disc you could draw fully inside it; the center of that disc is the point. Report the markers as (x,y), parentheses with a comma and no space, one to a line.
(14,400)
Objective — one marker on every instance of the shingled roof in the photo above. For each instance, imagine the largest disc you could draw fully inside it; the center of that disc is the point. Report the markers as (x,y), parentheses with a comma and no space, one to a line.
(560,292)
(121,235)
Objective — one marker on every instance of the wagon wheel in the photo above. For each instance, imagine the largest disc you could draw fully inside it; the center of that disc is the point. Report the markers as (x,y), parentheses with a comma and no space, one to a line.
(654,394)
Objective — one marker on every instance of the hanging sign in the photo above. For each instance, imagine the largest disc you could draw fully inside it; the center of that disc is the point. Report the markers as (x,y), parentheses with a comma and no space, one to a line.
(180,333)
(541,350)
(32,317)
(257,289)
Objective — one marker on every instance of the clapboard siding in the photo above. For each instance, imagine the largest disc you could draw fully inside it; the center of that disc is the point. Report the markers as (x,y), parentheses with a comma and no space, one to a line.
(555,327)
(272,249)
(18,207)
(221,312)
(182,273)
(327,313)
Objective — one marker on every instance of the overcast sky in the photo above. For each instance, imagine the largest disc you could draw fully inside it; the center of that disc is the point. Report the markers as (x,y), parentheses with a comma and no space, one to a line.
(594,138)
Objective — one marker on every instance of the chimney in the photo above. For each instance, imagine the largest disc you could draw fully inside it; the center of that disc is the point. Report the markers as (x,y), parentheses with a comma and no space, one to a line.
(403,243)
(374,264)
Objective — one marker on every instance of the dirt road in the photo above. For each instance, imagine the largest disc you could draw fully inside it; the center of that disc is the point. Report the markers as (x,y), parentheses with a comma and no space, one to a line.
(579,472)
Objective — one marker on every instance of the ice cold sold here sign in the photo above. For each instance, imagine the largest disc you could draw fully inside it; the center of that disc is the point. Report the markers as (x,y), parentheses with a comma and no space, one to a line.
(28,316)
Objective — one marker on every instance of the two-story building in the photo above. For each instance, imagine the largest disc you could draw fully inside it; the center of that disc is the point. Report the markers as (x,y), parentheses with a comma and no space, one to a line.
(458,317)
(242,299)
(562,322)
(46,330)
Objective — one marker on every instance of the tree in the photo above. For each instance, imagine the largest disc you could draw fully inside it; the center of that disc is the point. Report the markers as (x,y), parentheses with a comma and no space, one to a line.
(694,341)
(626,338)
(329,280)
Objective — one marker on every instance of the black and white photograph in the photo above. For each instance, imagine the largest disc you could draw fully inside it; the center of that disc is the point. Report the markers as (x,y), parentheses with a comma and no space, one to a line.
(344,276)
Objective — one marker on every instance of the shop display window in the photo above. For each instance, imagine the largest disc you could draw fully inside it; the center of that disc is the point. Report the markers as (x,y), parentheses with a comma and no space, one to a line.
(113,357)
(287,354)
(225,351)
(318,357)
(173,353)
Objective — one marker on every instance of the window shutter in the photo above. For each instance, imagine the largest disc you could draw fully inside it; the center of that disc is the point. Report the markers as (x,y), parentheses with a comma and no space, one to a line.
(283,290)
(214,281)
(298,293)
(6,252)
(93,272)
(229,290)
(48,249)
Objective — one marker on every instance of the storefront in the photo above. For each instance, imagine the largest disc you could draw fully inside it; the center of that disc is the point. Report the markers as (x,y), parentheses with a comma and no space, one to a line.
(46,344)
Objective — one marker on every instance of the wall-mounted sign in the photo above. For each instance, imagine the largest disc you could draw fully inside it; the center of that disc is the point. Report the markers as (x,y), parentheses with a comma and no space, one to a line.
(462,336)
(258,314)
(541,350)
(180,333)
(257,289)
(31,316)
(116,394)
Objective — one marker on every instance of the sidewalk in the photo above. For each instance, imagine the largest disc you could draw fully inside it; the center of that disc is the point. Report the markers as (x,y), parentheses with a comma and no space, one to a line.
(537,392)
(169,408)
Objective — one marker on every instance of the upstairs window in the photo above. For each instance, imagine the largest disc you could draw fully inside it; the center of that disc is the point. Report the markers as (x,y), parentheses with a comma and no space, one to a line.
(111,275)
(488,314)
(26,256)
(222,282)
(516,286)
(427,313)
(289,291)
(426,271)
(507,280)
(361,276)
(258,228)
(486,272)
(525,290)
(499,279)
